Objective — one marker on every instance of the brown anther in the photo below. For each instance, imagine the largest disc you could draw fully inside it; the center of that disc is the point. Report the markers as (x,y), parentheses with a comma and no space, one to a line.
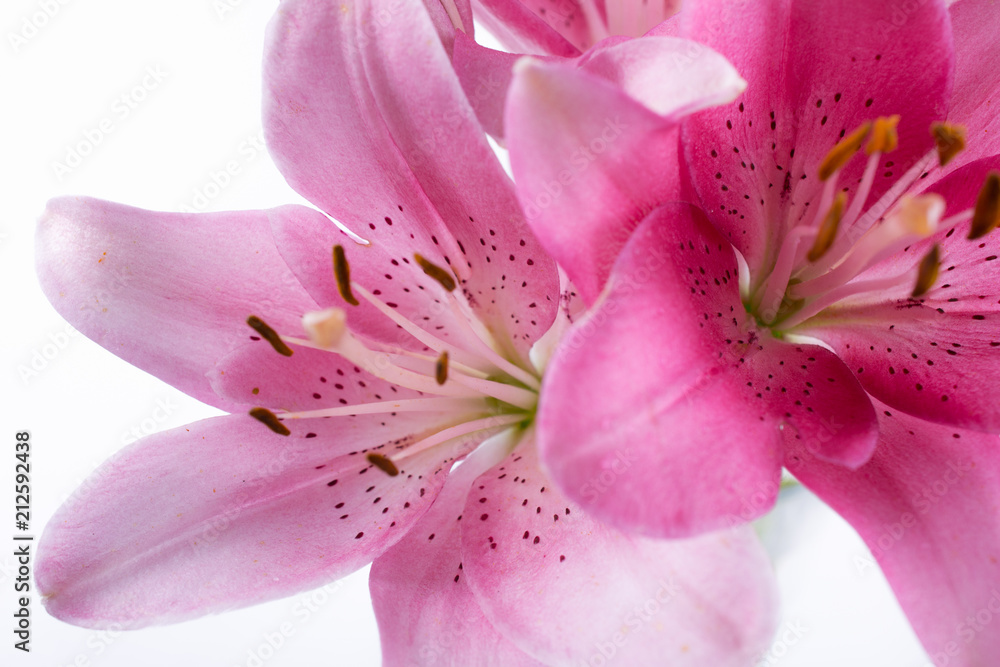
(987,212)
(928,272)
(268,419)
(342,272)
(441,368)
(950,140)
(884,137)
(270,335)
(442,276)
(845,149)
(828,230)
(384,464)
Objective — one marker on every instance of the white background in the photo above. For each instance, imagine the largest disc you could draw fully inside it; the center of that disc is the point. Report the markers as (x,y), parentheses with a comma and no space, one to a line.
(81,402)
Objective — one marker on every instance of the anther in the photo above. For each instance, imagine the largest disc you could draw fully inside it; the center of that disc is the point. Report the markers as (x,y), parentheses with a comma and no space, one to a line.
(950,140)
(987,212)
(384,464)
(270,335)
(828,230)
(884,137)
(441,368)
(442,276)
(342,272)
(928,272)
(268,419)
(845,149)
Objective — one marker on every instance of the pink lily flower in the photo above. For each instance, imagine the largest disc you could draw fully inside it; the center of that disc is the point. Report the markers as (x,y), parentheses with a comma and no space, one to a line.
(829,304)
(367,374)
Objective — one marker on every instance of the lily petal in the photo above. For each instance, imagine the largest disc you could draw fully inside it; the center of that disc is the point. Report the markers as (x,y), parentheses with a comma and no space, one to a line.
(223,514)
(426,612)
(977,57)
(707,601)
(384,141)
(707,391)
(937,357)
(836,65)
(926,507)
(167,292)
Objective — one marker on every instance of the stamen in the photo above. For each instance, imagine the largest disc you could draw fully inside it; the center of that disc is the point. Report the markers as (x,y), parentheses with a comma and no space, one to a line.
(442,276)
(845,149)
(950,140)
(986,215)
(342,272)
(441,368)
(828,230)
(434,404)
(928,272)
(270,335)
(384,464)
(458,431)
(268,419)
(884,137)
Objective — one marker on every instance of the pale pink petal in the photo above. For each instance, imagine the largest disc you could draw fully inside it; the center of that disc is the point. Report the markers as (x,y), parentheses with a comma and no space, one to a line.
(926,506)
(590,163)
(570,590)
(426,612)
(167,292)
(374,128)
(815,70)
(977,87)
(667,375)
(223,514)
(485,75)
(937,357)
(305,238)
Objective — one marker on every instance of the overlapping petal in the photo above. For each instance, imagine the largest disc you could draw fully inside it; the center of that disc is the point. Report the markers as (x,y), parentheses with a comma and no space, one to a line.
(596,593)
(696,387)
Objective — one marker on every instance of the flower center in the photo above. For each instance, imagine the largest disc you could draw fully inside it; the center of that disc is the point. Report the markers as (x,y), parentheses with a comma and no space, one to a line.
(822,256)
(472,382)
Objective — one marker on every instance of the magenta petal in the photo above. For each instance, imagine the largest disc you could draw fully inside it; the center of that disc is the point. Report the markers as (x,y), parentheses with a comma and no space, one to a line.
(977,88)
(937,357)
(168,292)
(426,612)
(222,514)
(667,376)
(926,506)
(485,75)
(568,590)
(815,70)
